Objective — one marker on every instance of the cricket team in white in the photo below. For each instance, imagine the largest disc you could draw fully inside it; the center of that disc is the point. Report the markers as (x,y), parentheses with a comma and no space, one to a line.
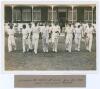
(31,34)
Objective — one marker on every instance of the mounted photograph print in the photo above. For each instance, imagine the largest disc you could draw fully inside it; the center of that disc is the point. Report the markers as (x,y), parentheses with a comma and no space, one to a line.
(49,37)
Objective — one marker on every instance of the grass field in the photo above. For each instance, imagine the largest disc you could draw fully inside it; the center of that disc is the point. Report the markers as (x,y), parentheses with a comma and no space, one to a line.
(62,60)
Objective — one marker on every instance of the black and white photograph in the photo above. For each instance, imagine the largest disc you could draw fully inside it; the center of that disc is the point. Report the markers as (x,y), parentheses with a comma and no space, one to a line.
(49,37)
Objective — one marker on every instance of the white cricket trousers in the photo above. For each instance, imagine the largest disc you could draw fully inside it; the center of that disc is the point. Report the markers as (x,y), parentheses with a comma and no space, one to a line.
(89,42)
(35,40)
(55,44)
(45,42)
(11,43)
(77,42)
(68,42)
(25,44)
(29,43)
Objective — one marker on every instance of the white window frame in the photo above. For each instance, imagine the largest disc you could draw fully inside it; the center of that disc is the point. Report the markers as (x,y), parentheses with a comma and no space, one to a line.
(38,11)
(54,15)
(88,12)
(16,12)
(70,11)
(26,12)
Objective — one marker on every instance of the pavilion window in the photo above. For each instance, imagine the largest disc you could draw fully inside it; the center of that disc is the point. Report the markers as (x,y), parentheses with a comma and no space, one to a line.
(55,15)
(50,15)
(75,15)
(88,16)
(17,15)
(70,15)
(26,15)
(36,14)
(94,16)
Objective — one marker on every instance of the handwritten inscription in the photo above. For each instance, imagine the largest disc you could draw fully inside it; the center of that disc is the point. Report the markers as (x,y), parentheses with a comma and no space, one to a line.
(50,81)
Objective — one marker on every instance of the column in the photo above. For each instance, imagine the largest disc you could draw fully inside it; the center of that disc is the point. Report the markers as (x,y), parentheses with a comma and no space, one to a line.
(12,12)
(32,13)
(72,13)
(52,13)
(92,13)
